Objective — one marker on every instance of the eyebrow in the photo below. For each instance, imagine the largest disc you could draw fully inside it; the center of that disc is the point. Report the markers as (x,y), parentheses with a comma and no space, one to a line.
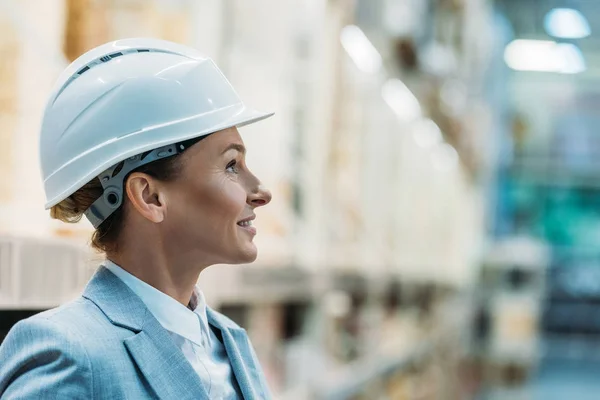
(235,146)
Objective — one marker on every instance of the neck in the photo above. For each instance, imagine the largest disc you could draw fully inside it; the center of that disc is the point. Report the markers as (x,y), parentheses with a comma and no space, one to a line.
(172,276)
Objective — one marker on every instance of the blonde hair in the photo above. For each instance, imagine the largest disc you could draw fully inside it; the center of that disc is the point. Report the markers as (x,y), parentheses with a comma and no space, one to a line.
(71,210)
(105,238)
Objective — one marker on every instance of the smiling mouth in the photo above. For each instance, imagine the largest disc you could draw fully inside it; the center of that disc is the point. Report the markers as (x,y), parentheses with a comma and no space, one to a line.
(247,226)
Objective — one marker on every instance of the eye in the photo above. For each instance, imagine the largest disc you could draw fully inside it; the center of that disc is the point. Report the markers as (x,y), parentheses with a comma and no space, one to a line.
(232,167)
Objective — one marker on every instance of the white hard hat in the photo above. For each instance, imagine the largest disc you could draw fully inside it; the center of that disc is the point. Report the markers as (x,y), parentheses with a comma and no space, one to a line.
(125,98)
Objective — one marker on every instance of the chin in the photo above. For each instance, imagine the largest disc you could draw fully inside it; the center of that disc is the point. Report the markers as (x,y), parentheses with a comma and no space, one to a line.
(250,258)
(249,255)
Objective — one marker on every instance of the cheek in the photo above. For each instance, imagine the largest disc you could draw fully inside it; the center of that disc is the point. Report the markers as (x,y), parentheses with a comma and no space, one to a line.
(232,201)
(221,203)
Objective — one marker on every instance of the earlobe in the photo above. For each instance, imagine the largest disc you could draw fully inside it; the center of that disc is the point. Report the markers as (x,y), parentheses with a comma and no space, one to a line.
(144,195)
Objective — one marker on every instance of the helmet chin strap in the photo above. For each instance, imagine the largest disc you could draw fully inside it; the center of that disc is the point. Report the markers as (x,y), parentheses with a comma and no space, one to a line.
(112,182)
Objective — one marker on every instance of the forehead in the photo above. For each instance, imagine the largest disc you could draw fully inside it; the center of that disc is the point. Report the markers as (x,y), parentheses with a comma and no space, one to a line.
(216,143)
(226,137)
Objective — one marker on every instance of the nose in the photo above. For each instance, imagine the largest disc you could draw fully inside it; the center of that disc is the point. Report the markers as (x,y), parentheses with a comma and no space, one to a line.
(261,196)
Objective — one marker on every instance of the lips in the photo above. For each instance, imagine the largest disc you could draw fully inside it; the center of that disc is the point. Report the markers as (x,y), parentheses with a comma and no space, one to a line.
(246,224)
(246,221)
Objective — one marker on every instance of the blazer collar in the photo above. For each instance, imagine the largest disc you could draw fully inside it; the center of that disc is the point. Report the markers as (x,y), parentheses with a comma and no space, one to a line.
(160,360)
(151,348)
(120,305)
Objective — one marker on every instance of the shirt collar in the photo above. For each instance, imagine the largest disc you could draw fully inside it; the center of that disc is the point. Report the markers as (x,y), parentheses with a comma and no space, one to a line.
(198,307)
(170,313)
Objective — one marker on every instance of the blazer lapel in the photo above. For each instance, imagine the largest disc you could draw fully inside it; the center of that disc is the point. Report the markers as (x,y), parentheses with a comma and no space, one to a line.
(241,356)
(161,362)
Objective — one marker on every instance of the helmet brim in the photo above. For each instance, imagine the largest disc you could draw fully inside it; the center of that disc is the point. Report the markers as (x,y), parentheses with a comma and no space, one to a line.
(250,116)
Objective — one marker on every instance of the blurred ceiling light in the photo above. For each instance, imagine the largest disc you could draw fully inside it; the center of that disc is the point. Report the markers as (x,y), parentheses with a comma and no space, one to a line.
(360,49)
(444,157)
(566,23)
(401,100)
(573,61)
(544,56)
(427,134)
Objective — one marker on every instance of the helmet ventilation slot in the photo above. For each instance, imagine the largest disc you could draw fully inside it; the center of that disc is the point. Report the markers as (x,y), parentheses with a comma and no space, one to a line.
(82,70)
(107,58)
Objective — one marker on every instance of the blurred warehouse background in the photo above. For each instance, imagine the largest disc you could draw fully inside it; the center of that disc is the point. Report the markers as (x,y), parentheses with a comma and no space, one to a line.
(435,229)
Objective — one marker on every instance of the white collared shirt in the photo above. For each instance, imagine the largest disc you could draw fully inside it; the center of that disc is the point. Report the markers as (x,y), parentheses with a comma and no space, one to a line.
(191,333)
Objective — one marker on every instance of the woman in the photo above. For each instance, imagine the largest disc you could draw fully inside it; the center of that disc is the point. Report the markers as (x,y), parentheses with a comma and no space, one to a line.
(140,136)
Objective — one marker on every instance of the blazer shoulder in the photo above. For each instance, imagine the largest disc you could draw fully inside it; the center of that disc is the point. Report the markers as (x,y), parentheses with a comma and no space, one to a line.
(40,350)
(64,323)
(82,318)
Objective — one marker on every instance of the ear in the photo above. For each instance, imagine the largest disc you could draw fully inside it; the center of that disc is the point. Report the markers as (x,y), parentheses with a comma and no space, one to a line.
(146,196)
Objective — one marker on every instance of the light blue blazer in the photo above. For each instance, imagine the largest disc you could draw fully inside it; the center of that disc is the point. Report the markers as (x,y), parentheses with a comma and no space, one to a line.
(107,345)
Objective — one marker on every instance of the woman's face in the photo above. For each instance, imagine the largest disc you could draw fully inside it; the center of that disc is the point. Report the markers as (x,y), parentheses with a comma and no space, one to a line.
(210,206)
